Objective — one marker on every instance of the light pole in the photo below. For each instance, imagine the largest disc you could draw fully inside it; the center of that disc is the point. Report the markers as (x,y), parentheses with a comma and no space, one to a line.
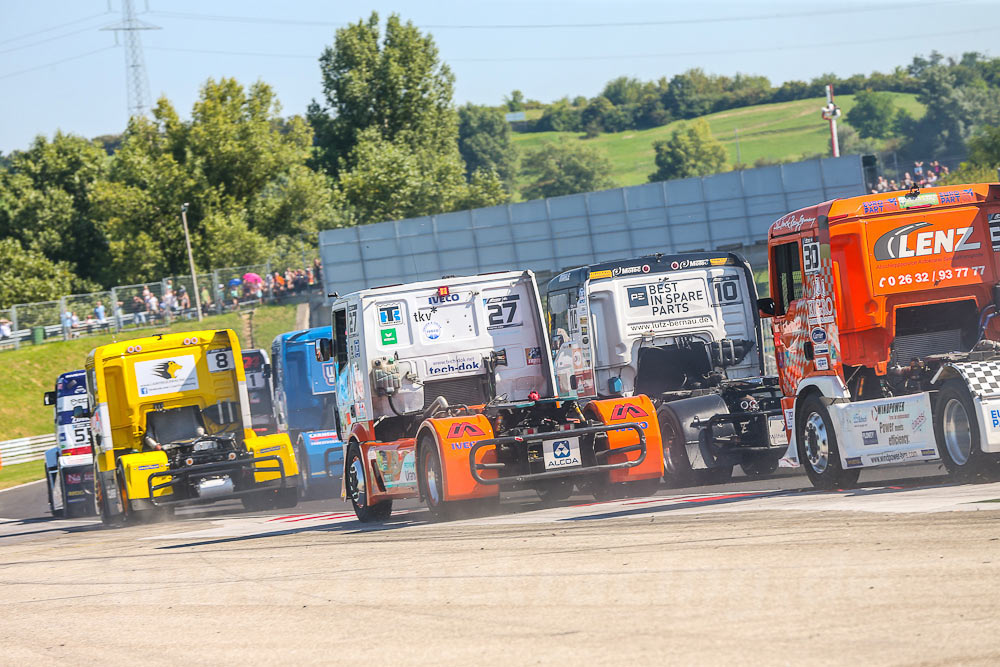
(831,112)
(194,276)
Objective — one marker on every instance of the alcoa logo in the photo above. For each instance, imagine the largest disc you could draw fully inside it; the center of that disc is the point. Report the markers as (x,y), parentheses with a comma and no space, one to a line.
(463,429)
(896,244)
(560,449)
(626,410)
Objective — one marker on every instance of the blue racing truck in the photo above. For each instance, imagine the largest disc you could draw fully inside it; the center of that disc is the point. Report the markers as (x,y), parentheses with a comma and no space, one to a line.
(305,403)
(69,466)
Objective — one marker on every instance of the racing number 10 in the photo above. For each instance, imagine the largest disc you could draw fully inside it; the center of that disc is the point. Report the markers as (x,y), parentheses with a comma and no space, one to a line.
(497,312)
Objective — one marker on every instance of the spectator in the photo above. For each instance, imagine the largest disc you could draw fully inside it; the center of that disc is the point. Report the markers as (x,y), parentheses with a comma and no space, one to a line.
(119,320)
(183,300)
(907,183)
(100,314)
(138,308)
(67,324)
(5,331)
(152,307)
(74,324)
(918,171)
(931,179)
(206,298)
(318,271)
(893,185)
(167,304)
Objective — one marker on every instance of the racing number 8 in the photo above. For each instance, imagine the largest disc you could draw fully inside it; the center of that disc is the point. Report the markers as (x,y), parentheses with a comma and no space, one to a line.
(496,312)
(221,360)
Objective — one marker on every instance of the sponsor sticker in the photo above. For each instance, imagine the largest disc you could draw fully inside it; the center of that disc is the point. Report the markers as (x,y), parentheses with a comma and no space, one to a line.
(869,437)
(595,275)
(502,312)
(389,337)
(533,356)
(390,315)
(457,364)
(168,376)
(818,335)
(822,363)
(563,453)
(432,331)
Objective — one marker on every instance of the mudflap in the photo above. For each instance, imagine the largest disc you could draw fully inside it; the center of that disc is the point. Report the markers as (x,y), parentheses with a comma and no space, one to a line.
(637,410)
(454,437)
(693,415)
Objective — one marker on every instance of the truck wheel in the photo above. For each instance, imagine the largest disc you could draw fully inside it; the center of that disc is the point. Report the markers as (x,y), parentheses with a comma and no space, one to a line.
(676,466)
(432,482)
(259,501)
(818,450)
(286,498)
(102,508)
(957,432)
(641,488)
(716,475)
(759,466)
(52,504)
(555,491)
(357,489)
(303,461)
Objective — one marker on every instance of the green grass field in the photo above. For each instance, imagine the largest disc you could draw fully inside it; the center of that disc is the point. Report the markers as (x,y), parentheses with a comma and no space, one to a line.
(21,473)
(27,373)
(775,131)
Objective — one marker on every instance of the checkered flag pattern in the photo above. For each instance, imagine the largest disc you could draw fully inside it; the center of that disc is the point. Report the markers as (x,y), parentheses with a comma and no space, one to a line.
(795,366)
(983,377)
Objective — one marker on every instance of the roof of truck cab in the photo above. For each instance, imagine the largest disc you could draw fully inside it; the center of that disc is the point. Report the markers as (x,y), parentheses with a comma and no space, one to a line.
(882,203)
(658,263)
(444,281)
(305,335)
(167,341)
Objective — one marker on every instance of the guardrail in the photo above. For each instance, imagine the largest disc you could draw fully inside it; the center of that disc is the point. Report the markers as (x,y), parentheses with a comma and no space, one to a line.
(23,450)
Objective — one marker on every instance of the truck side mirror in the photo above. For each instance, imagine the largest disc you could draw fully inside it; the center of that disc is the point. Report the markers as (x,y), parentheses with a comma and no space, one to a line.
(49,398)
(267,371)
(766,306)
(79,412)
(324,349)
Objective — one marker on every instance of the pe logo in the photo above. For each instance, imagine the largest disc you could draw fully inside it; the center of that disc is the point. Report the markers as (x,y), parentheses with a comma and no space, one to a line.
(637,296)
(560,449)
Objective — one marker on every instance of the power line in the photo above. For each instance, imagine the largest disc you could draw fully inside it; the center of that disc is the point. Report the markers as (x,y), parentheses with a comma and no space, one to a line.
(48,39)
(56,62)
(55,27)
(608,24)
(677,54)
(136,78)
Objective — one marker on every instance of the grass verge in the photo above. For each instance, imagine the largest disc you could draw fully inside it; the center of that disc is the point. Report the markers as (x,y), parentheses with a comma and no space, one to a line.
(21,473)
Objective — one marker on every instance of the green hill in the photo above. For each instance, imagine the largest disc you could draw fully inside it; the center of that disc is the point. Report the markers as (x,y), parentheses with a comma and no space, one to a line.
(780,131)
(32,370)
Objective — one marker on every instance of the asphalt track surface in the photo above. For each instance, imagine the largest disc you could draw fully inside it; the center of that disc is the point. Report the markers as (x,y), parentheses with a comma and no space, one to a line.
(904,569)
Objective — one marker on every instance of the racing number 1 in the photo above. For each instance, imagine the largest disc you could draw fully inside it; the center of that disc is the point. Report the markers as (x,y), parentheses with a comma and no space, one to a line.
(496,312)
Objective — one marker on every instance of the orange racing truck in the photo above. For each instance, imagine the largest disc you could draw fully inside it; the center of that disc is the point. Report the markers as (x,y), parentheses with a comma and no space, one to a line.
(445,391)
(885,331)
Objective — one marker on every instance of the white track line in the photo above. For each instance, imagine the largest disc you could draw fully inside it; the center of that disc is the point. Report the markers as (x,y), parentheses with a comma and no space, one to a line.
(21,486)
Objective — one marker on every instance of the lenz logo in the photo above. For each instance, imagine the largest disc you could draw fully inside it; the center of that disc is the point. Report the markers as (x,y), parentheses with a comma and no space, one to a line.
(896,243)
(463,429)
(637,296)
(626,410)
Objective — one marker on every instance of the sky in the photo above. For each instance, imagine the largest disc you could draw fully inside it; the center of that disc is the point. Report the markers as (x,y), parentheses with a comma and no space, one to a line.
(59,70)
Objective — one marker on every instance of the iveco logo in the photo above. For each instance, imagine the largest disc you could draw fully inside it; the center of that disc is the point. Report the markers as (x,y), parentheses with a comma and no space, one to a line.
(896,244)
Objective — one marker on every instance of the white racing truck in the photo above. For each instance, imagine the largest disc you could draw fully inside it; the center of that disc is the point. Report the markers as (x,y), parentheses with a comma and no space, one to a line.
(684,330)
(445,391)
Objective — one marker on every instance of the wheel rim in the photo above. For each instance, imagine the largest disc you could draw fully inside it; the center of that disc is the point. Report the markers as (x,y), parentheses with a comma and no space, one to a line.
(817,443)
(431,479)
(669,464)
(957,433)
(356,481)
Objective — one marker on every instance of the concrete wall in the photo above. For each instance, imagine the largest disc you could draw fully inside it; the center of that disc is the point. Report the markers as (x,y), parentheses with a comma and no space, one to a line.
(724,211)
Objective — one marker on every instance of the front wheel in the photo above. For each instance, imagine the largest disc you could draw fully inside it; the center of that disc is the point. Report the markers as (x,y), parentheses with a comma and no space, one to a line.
(432,482)
(957,432)
(304,491)
(357,489)
(817,447)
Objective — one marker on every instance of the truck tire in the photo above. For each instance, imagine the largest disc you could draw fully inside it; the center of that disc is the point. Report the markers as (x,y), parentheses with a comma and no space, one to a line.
(956,430)
(817,447)
(431,481)
(52,504)
(675,418)
(354,475)
(102,506)
(759,466)
(304,491)
(554,491)
(286,498)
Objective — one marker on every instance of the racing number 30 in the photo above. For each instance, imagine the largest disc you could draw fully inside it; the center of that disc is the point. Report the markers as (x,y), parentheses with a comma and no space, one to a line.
(497,312)
(810,257)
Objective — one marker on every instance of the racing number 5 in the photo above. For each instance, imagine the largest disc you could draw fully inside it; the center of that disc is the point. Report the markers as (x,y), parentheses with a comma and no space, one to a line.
(497,315)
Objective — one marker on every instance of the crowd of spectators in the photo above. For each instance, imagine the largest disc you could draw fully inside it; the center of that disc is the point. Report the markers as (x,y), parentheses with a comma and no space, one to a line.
(922,176)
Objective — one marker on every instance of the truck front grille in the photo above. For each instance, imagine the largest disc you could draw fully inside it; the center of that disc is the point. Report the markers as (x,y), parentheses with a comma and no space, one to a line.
(465,390)
(920,345)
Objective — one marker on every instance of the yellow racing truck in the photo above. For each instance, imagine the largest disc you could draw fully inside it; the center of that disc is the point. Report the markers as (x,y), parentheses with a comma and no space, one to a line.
(170,420)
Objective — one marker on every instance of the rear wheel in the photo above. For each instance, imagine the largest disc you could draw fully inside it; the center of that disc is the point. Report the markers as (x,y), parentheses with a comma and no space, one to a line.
(286,498)
(304,490)
(51,491)
(641,488)
(759,466)
(357,488)
(957,432)
(555,491)
(676,466)
(817,447)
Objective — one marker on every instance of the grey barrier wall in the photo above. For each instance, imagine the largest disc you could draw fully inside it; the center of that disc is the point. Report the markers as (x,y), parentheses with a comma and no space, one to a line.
(723,211)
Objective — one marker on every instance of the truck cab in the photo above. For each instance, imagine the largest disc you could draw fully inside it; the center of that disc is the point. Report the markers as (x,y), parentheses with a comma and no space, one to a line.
(257,367)
(69,466)
(685,330)
(445,391)
(305,407)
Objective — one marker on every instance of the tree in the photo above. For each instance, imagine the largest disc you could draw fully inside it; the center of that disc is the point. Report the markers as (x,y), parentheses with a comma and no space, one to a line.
(515,102)
(560,117)
(28,275)
(872,114)
(691,150)
(623,90)
(566,168)
(485,144)
(395,84)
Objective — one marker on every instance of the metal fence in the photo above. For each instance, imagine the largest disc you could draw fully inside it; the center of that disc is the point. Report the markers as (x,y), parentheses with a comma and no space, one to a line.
(23,450)
(126,306)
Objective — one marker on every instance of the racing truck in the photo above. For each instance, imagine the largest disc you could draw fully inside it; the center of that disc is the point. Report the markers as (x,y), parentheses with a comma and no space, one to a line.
(257,368)
(684,330)
(884,311)
(305,407)
(445,392)
(69,466)
(171,425)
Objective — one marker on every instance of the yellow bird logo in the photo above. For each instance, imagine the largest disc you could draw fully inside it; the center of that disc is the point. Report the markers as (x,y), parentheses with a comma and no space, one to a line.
(167,370)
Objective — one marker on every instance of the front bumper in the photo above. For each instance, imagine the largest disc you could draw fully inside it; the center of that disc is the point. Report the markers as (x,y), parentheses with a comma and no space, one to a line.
(524,440)
(231,468)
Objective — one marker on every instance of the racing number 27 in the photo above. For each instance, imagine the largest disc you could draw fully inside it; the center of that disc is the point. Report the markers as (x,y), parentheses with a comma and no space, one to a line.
(496,311)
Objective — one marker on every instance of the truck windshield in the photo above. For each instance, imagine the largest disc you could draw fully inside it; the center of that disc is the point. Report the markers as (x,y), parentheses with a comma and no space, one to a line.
(789,275)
